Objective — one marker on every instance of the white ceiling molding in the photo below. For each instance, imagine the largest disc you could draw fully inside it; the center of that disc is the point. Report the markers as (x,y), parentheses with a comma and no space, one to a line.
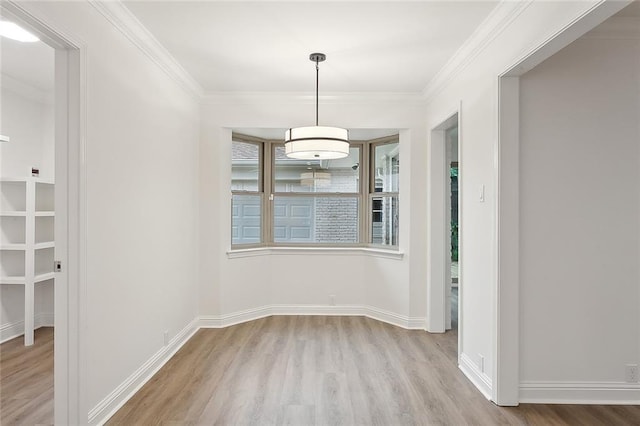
(240,98)
(616,28)
(24,90)
(489,29)
(132,28)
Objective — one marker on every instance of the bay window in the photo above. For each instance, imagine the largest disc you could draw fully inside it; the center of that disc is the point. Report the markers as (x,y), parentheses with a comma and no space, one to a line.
(280,201)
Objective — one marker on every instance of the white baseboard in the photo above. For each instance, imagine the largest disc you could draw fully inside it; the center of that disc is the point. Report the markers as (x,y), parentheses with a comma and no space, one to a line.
(392,318)
(226,320)
(45,320)
(120,395)
(477,377)
(580,393)
(15,329)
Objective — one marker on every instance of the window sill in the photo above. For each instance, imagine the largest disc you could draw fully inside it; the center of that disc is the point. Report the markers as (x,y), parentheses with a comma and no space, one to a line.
(343,251)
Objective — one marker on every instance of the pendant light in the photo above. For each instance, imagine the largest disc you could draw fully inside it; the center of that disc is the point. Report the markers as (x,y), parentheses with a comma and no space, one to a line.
(316,142)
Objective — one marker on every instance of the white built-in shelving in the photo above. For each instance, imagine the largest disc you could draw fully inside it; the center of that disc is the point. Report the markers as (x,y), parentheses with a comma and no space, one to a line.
(26,239)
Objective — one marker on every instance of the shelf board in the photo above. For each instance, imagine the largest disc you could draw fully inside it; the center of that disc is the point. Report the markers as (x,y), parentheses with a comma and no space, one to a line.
(44,277)
(12,280)
(14,246)
(27,179)
(45,213)
(45,245)
(14,213)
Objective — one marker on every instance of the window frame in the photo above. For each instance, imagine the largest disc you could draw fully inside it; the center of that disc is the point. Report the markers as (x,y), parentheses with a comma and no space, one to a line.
(373,194)
(260,192)
(351,195)
(364,195)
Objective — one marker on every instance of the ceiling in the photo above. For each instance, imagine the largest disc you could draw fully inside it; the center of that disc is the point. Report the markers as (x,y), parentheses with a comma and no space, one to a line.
(264,46)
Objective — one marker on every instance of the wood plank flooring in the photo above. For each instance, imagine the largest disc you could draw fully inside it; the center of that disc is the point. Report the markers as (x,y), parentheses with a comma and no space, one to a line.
(298,370)
(313,370)
(26,380)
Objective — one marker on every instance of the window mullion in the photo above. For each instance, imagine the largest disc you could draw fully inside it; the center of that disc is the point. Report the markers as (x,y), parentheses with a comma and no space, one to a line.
(267,167)
(364,191)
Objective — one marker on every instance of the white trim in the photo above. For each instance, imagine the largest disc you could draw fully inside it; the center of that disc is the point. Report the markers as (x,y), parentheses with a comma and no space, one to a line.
(11,331)
(438,228)
(126,22)
(121,394)
(238,317)
(410,323)
(342,251)
(499,19)
(580,393)
(325,310)
(417,323)
(341,98)
(506,360)
(45,319)
(16,329)
(473,373)
(71,223)
(210,321)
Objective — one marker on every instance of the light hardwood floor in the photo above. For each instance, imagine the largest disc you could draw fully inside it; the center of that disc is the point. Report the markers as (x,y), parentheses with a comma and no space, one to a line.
(298,370)
(26,380)
(312,370)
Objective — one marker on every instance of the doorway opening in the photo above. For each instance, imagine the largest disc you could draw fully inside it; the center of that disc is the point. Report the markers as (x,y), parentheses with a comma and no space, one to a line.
(57,206)
(27,224)
(444,280)
(453,167)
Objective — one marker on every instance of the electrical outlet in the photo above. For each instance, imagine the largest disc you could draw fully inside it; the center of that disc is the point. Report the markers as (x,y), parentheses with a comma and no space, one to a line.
(481,363)
(631,373)
(332,299)
(166,337)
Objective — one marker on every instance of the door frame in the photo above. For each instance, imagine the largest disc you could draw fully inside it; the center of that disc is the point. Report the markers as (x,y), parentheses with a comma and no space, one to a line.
(506,345)
(438,231)
(70,405)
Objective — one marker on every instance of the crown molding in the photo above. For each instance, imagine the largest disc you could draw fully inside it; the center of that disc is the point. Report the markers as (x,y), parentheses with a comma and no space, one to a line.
(499,19)
(218,98)
(25,90)
(616,28)
(126,22)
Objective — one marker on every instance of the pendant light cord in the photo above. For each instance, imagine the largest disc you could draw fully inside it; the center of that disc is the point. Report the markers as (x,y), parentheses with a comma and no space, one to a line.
(317,82)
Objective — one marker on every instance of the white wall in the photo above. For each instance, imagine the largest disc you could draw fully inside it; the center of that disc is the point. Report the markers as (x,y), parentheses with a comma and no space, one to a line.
(27,118)
(580,213)
(142,134)
(229,286)
(474,86)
